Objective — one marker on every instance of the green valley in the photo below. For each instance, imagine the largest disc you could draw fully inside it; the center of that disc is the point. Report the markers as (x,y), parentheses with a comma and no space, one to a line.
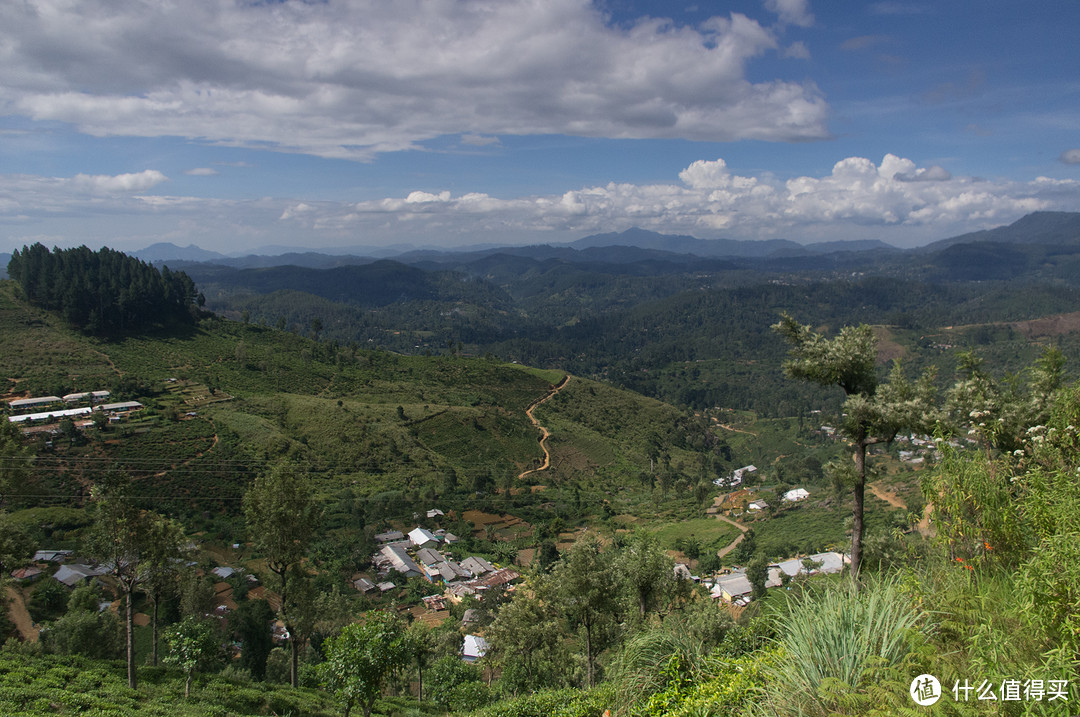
(527,525)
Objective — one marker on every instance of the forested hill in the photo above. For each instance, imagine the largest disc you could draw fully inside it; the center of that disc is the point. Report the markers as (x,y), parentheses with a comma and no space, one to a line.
(376,284)
(104,292)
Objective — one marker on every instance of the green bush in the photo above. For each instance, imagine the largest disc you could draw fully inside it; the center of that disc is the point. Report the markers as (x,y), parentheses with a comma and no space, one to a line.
(554,703)
(469,696)
(90,634)
(445,676)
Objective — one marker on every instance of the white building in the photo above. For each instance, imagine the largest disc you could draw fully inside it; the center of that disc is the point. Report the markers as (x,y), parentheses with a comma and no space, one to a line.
(474,648)
(796,494)
(423,538)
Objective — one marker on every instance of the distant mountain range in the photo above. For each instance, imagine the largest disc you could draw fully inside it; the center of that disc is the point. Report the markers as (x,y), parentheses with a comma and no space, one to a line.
(651,245)
(1002,252)
(681,244)
(1049,228)
(635,245)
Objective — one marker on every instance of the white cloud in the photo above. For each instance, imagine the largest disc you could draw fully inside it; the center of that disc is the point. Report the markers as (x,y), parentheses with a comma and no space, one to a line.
(1071,156)
(857,199)
(351,79)
(933,173)
(796,51)
(118,184)
(792,12)
(202,172)
(296,210)
(426,198)
(893,199)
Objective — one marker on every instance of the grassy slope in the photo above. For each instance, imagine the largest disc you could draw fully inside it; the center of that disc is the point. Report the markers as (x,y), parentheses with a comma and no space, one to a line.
(372,421)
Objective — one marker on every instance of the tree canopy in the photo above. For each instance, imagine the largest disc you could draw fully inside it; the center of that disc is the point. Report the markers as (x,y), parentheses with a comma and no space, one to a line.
(281,518)
(104,292)
(362,657)
(873,412)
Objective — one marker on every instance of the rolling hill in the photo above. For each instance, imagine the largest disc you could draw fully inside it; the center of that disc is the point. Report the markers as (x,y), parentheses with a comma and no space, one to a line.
(224,399)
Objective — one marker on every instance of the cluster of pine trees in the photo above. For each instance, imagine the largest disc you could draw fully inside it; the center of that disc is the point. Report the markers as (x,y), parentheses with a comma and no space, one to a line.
(104,292)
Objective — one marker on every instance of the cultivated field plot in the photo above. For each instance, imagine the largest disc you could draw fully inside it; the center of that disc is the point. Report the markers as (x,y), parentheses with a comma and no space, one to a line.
(503,527)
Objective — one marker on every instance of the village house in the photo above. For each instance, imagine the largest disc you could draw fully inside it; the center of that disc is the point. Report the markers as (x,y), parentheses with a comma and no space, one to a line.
(391,536)
(795,495)
(394,557)
(423,538)
(477,566)
(735,587)
(77,574)
(737,477)
(51,556)
(474,648)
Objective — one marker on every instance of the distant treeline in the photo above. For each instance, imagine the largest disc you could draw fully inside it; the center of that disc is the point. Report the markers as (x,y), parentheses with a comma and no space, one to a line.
(104,292)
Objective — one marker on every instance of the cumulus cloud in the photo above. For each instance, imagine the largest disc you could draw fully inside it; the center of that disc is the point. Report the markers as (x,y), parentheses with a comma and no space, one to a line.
(31,198)
(796,51)
(792,12)
(351,79)
(933,173)
(892,199)
(117,184)
(857,199)
(1070,156)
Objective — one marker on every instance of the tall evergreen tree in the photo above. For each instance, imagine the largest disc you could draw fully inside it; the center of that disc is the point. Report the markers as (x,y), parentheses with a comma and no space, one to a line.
(120,540)
(281,519)
(161,567)
(588,594)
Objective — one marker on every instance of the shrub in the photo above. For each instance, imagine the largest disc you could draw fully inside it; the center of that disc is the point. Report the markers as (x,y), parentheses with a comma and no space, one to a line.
(829,638)
(553,703)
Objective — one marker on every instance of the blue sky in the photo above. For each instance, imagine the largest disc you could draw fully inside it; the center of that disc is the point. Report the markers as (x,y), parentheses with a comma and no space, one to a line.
(238,125)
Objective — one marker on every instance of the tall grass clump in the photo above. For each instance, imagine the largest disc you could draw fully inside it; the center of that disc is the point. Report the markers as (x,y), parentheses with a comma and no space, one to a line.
(652,661)
(830,639)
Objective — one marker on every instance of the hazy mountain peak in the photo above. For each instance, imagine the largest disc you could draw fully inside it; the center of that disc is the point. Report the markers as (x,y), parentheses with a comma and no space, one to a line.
(166,251)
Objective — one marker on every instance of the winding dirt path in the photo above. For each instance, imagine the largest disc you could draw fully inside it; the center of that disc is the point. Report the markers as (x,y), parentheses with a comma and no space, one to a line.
(20,616)
(879,491)
(726,427)
(715,511)
(923,526)
(544,432)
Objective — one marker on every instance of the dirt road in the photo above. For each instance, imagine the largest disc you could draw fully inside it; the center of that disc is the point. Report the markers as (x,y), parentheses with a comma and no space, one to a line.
(715,511)
(20,616)
(544,432)
(891,498)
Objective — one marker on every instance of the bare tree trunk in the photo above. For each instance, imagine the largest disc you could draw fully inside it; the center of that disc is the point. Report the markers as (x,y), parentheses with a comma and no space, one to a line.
(857,513)
(588,653)
(294,649)
(153,654)
(187,686)
(132,677)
